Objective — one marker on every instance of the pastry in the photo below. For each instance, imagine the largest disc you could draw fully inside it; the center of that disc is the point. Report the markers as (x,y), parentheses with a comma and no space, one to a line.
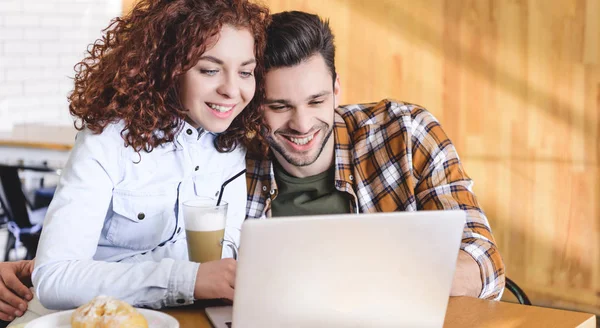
(107,312)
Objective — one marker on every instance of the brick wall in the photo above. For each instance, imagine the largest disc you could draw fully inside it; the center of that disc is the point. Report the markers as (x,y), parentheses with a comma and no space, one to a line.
(40,42)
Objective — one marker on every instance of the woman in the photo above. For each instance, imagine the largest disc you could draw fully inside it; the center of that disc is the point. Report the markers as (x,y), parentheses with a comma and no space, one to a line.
(161,102)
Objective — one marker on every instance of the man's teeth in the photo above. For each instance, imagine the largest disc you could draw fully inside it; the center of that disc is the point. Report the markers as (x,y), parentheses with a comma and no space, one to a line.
(221,109)
(302,141)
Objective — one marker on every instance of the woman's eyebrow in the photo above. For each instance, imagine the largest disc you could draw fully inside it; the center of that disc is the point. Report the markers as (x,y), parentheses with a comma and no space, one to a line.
(220,62)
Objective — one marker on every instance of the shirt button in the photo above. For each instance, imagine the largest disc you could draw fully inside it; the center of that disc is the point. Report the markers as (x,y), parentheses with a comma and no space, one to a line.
(196,168)
(180,301)
(272,191)
(264,188)
(189,131)
(351,177)
(141,215)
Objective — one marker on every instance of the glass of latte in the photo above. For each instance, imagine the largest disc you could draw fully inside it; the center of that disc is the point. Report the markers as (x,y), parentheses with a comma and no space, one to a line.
(204,228)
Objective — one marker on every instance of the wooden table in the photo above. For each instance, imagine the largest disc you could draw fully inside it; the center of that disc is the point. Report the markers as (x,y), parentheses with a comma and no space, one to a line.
(34,144)
(39,136)
(462,312)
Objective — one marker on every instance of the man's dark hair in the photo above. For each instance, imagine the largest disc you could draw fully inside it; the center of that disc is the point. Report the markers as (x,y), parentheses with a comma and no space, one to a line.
(294,36)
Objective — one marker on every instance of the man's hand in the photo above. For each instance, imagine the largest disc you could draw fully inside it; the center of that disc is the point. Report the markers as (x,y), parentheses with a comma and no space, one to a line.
(467,277)
(216,279)
(14,293)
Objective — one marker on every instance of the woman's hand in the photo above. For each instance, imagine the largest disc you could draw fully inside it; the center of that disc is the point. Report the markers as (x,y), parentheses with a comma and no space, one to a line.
(216,279)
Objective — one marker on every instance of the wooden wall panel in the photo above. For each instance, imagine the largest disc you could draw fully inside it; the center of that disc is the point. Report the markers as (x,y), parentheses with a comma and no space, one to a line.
(127,5)
(516,84)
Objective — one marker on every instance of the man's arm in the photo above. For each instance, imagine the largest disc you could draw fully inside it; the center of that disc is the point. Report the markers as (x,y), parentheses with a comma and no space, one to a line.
(14,294)
(442,184)
(467,277)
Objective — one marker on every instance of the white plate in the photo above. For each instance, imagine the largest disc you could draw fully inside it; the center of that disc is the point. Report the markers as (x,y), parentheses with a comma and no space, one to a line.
(63,320)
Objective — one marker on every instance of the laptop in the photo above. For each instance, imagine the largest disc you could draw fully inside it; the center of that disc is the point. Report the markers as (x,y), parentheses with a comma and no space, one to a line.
(368,270)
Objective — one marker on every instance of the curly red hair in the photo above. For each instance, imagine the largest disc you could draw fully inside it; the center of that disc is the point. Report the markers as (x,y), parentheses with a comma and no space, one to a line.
(131,73)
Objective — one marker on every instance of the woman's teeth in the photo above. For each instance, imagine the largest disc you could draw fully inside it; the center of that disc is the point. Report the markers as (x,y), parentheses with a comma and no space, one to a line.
(218,108)
(302,141)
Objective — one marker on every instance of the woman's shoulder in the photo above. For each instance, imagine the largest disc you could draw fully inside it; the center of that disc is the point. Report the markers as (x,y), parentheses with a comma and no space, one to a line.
(111,134)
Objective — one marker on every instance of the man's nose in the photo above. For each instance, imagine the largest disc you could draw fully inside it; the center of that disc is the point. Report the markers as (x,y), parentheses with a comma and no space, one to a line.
(301,121)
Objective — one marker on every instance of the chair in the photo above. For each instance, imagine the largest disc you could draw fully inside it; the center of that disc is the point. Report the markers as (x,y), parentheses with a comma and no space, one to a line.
(24,221)
(3,217)
(518,292)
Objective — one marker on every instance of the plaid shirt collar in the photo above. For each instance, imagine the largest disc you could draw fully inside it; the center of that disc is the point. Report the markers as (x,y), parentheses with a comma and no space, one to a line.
(344,178)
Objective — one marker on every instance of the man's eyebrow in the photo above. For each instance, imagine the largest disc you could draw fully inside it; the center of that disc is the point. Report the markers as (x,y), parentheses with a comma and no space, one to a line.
(318,95)
(277,101)
(220,62)
(289,103)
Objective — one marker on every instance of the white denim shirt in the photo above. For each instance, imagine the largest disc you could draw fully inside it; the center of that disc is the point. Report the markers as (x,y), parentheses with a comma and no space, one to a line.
(115,225)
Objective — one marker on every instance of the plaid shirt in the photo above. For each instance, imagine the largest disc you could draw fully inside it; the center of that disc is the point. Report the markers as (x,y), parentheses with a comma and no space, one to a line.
(393,156)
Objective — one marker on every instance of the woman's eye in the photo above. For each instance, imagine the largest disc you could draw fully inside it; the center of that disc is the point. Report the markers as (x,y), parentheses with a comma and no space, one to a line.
(209,72)
(246,74)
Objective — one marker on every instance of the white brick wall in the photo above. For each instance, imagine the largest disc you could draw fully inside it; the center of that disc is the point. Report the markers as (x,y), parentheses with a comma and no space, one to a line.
(40,42)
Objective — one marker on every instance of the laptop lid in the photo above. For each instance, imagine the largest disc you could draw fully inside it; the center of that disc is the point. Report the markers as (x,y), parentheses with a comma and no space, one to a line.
(376,270)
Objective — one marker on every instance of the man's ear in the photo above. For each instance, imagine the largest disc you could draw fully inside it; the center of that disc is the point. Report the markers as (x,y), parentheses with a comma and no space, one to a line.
(337,90)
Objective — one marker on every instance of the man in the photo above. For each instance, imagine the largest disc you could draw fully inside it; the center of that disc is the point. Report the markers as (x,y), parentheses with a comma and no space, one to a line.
(380,157)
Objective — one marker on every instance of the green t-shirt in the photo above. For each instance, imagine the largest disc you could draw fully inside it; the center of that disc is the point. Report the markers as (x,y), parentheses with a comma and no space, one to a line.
(312,195)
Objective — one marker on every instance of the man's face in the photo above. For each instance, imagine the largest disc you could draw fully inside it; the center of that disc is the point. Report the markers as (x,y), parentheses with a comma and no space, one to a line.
(299,109)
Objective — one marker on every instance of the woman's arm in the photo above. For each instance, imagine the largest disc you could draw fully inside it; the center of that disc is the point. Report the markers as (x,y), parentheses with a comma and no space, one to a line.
(66,274)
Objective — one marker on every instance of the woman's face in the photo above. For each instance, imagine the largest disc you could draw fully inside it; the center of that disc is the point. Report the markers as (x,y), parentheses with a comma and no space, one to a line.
(222,83)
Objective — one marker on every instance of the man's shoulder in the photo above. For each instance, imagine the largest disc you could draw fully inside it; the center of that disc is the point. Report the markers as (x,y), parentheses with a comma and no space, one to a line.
(383,113)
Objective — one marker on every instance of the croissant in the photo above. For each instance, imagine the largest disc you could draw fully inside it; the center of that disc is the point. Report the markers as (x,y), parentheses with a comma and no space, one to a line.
(107,312)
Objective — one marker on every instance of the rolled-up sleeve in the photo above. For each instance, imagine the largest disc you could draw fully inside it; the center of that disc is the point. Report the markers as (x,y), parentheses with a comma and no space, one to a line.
(444,185)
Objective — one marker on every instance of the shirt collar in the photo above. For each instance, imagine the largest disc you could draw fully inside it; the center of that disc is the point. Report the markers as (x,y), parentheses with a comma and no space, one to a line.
(343,154)
(191,135)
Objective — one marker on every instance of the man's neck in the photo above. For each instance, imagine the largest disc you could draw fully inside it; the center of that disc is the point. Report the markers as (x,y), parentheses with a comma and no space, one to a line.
(322,164)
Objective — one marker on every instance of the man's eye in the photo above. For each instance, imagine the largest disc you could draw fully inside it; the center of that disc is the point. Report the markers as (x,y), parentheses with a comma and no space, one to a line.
(277,107)
(246,74)
(318,102)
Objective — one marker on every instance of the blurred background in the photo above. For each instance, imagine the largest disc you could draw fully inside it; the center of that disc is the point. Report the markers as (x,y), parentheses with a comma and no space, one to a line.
(515,84)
